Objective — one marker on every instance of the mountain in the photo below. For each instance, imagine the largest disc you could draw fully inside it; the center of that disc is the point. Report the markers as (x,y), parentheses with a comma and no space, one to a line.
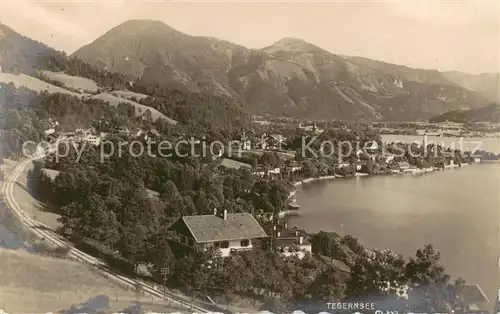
(156,53)
(485,83)
(19,54)
(489,113)
(289,78)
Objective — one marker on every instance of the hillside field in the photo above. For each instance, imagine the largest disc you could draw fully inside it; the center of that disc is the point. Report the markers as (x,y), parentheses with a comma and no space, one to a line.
(73,82)
(32,283)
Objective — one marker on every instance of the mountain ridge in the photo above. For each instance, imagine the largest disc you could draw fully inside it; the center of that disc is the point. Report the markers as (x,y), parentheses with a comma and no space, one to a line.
(291,77)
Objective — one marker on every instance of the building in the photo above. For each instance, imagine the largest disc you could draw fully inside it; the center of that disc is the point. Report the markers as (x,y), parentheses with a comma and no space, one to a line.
(404,165)
(342,165)
(371,147)
(229,233)
(260,145)
(50,131)
(274,171)
(124,131)
(292,242)
(246,145)
(477,159)
(94,140)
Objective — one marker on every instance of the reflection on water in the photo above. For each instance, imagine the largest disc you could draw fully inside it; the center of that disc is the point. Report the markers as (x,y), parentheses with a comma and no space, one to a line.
(456,210)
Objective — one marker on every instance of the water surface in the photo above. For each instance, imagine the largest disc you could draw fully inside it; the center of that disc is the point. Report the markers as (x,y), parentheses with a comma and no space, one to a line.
(457,211)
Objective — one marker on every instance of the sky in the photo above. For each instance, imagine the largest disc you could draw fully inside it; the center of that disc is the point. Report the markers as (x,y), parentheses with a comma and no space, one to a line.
(458,35)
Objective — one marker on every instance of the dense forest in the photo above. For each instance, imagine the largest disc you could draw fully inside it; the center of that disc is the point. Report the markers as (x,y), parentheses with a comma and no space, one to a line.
(196,111)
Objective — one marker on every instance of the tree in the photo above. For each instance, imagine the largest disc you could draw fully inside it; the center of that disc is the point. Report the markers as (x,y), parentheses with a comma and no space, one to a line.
(309,170)
(379,273)
(430,289)
(327,285)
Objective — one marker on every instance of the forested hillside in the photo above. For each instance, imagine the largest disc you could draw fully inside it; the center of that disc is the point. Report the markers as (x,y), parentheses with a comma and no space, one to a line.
(489,113)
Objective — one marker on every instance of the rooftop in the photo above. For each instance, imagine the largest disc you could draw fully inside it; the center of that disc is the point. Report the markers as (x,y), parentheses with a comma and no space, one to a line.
(212,228)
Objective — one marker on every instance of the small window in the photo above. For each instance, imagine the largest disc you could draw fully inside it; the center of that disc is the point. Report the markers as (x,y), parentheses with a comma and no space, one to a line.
(190,242)
(245,243)
(216,245)
(224,245)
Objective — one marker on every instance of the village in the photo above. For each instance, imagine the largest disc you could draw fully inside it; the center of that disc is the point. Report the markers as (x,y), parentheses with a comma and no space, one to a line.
(235,232)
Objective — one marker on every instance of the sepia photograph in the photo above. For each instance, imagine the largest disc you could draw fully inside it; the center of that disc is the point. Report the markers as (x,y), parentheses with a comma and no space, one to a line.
(258,157)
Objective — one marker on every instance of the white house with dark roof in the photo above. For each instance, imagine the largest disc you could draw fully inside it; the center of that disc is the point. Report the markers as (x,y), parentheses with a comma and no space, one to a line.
(228,232)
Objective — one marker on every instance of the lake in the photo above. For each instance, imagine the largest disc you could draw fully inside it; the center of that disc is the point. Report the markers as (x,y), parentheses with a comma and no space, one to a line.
(456,210)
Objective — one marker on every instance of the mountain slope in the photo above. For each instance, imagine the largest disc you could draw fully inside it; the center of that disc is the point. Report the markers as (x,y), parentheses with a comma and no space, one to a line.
(19,54)
(154,52)
(486,83)
(489,113)
(289,78)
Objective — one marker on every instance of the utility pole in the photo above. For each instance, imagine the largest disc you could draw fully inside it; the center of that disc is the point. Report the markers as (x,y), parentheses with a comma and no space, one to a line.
(165,272)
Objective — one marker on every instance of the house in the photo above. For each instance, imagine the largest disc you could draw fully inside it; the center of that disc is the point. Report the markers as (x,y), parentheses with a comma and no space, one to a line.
(49,131)
(404,165)
(260,145)
(476,159)
(388,158)
(274,171)
(138,132)
(124,131)
(292,242)
(51,138)
(293,167)
(229,233)
(89,131)
(241,141)
(92,139)
(371,147)
(342,165)
(260,173)
(246,145)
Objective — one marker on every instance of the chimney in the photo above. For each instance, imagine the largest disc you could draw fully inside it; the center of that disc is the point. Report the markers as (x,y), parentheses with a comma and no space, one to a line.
(215,211)
(225,214)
